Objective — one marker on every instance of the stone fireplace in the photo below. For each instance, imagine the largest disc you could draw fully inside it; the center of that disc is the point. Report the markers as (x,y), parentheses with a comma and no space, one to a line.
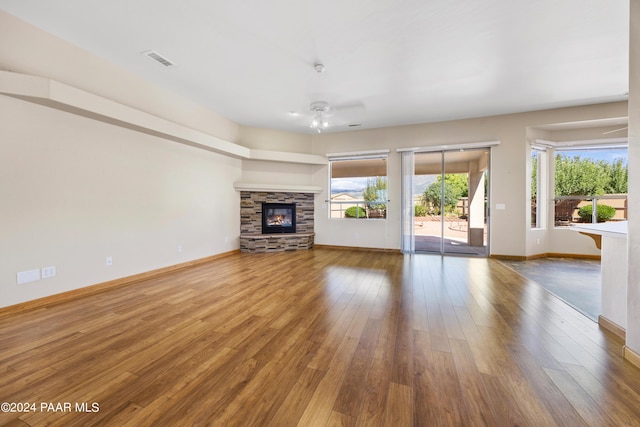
(286,216)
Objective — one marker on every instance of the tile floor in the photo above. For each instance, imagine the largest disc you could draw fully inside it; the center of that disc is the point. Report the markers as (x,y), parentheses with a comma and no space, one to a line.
(575,281)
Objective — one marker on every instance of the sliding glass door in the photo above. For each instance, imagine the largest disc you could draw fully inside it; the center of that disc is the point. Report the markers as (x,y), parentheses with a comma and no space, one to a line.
(449,198)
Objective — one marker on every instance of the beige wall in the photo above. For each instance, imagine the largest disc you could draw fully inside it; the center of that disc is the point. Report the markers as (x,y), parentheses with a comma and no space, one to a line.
(274,140)
(276,173)
(510,232)
(280,173)
(74,191)
(29,50)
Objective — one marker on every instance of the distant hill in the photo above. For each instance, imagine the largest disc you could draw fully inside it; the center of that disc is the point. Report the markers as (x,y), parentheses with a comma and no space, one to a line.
(421,182)
(354,186)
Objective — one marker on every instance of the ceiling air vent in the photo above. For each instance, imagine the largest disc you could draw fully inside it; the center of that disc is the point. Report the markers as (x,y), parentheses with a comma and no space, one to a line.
(158,58)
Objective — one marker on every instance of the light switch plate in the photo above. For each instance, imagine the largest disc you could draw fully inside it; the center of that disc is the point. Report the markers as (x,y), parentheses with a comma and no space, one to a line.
(28,276)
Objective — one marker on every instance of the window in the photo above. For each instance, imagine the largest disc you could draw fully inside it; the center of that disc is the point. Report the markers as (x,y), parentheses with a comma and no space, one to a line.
(538,186)
(587,180)
(358,187)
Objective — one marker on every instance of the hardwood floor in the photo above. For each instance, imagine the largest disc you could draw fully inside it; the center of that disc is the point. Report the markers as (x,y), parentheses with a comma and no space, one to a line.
(319,338)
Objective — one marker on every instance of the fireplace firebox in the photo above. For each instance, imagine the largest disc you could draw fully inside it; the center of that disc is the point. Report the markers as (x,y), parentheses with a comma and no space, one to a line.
(278,218)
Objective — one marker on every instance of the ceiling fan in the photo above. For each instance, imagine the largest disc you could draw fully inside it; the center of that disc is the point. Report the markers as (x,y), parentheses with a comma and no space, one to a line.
(321,115)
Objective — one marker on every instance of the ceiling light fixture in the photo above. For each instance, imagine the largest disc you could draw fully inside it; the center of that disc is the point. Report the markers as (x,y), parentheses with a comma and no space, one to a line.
(319,121)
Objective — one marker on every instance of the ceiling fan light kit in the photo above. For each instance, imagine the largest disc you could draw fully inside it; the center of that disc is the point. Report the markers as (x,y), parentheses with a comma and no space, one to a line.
(319,121)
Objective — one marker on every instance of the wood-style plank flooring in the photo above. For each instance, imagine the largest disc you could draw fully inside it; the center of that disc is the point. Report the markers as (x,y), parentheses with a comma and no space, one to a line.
(319,338)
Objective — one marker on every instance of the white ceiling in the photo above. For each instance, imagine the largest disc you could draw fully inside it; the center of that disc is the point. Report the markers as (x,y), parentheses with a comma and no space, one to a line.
(387,62)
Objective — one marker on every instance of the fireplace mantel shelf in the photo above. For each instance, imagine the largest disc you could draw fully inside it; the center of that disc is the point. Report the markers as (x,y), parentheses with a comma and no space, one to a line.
(277,188)
(276,235)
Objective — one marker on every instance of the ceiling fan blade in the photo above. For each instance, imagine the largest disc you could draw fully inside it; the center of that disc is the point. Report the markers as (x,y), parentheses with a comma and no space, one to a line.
(294,116)
(354,106)
(615,130)
(337,115)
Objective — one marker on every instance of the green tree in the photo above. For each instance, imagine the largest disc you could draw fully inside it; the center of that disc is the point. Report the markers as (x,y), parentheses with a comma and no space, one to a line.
(375,195)
(577,176)
(586,177)
(455,187)
(534,176)
(618,173)
(459,181)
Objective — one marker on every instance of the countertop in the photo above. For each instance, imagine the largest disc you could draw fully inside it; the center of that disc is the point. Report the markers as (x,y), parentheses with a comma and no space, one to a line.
(616,229)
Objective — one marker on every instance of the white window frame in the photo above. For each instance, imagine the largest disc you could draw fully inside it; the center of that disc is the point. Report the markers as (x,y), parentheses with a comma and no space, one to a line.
(542,185)
(367,155)
(550,148)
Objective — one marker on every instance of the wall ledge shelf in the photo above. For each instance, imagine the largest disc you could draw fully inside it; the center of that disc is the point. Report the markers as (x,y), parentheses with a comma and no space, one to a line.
(57,95)
(276,188)
(53,94)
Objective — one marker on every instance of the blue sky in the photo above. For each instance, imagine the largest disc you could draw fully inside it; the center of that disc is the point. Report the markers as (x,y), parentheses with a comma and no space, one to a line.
(348,185)
(609,154)
(357,185)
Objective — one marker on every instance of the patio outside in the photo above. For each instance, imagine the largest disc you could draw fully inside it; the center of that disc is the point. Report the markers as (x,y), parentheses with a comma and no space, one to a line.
(429,228)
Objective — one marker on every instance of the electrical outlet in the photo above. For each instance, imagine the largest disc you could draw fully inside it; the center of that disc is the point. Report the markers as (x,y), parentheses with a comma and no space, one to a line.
(109,261)
(179,248)
(48,272)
